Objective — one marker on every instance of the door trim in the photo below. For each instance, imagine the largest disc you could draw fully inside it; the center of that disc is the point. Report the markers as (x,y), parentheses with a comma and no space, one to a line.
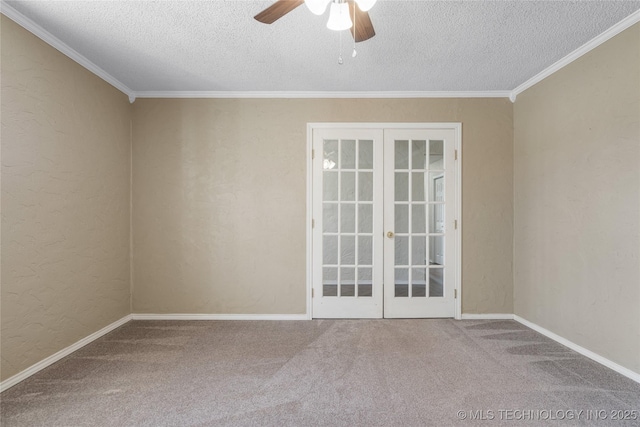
(456,127)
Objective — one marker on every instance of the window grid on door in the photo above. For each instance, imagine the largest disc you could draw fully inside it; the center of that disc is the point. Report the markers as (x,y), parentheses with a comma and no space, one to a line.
(419,213)
(347,267)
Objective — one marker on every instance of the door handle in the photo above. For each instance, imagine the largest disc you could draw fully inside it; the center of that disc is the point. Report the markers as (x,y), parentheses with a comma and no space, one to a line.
(390,234)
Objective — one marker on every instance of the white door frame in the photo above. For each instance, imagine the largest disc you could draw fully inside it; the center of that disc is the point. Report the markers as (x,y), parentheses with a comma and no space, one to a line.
(457,128)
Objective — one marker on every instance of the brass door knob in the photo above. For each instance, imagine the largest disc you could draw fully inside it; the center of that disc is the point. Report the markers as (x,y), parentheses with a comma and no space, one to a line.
(390,234)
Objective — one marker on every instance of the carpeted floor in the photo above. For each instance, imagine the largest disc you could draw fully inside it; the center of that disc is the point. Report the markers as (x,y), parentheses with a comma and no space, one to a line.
(322,373)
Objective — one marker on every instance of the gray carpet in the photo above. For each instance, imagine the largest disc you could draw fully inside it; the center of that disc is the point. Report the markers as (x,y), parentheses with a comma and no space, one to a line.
(322,373)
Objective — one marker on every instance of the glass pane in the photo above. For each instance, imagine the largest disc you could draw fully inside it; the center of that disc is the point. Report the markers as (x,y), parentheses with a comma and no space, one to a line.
(418,250)
(418,219)
(418,193)
(348,218)
(419,276)
(436,150)
(437,223)
(347,281)
(330,217)
(436,250)
(365,285)
(364,275)
(418,290)
(402,282)
(418,154)
(365,218)
(402,186)
(329,290)
(330,159)
(330,186)
(348,154)
(348,250)
(402,250)
(348,290)
(402,154)
(330,250)
(365,250)
(330,281)
(365,290)
(418,282)
(329,275)
(401,218)
(365,154)
(348,186)
(436,282)
(402,290)
(347,276)
(402,276)
(436,187)
(365,186)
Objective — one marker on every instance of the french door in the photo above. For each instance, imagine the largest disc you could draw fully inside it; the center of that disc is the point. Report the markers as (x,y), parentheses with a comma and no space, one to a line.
(383,215)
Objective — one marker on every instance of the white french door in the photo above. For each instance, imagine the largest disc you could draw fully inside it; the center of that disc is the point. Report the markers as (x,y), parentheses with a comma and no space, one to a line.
(347,217)
(419,250)
(384,240)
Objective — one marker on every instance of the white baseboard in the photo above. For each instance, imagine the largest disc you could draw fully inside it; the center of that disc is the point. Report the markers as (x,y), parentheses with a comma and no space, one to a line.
(10,382)
(579,349)
(144,316)
(489,316)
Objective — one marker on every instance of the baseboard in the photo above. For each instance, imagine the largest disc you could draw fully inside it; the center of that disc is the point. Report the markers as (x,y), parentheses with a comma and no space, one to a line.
(10,382)
(145,316)
(489,316)
(579,349)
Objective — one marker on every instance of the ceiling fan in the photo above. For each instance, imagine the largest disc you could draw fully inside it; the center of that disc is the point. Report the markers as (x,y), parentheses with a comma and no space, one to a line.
(339,19)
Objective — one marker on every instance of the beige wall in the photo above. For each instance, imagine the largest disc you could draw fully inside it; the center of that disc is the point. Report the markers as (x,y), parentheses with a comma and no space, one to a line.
(577,201)
(65,201)
(219,199)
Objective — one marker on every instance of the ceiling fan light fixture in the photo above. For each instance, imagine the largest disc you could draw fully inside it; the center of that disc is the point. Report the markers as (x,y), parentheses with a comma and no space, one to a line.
(339,18)
(317,7)
(365,5)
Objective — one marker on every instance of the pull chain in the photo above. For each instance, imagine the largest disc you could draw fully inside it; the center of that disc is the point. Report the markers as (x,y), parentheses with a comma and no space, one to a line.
(340,61)
(353,55)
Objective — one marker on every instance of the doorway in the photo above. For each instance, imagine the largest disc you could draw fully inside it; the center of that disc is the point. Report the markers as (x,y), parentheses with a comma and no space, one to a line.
(385,231)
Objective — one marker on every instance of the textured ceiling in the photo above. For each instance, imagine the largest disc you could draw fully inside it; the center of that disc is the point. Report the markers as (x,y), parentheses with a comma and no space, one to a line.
(420,45)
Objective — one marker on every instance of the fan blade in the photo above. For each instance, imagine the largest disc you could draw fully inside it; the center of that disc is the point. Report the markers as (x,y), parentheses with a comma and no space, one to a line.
(362,28)
(277,10)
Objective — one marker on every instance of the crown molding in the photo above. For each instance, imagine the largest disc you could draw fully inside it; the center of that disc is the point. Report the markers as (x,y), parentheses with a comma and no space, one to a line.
(322,94)
(58,44)
(627,22)
(55,42)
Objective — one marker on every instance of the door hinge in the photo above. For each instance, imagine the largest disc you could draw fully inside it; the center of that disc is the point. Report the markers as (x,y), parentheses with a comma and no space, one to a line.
(455,224)
(312,292)
(455,294)
(313,223)
(313,154)
(455,155)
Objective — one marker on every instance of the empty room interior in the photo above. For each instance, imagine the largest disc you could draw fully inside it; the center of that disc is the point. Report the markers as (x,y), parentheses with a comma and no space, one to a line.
(331,213)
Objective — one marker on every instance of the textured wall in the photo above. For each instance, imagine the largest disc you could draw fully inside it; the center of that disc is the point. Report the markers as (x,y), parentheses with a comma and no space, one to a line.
(219,199)
(65,201)
(577,201)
